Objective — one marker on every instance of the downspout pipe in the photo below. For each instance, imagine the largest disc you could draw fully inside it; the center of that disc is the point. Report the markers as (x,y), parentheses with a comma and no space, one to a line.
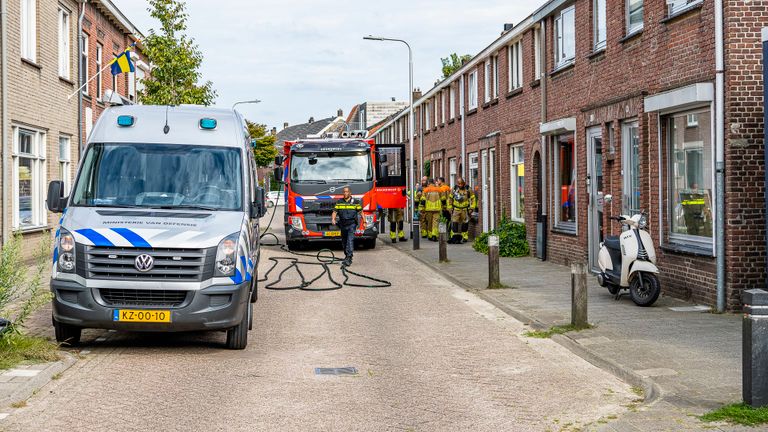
(720,155)
(543,87)
(463,131)
(5,123)
(765,133)
(80,75)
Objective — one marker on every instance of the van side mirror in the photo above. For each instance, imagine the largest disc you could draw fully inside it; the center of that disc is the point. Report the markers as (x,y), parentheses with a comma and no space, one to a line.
(278,174)
(259,207)
(56,201)
(253,143)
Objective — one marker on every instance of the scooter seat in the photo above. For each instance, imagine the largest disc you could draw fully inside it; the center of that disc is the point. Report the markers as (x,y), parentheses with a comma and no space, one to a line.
(612,242)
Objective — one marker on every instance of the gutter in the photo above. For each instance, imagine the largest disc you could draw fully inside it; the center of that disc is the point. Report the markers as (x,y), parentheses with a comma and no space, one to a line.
(720,155)
(5,126)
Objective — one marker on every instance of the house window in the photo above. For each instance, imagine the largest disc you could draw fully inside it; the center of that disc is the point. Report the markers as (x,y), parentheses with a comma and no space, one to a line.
(442,106)
(473,171)
(675,6)
(515,66)
(99,75)
(452,172)
(495,71)
(434,106)
(84,62)
(487,81)
(690,178)
(691,120)
(29,29)
(517,177)
(64,51)
(65,162)
(565,182)
(452,102)
(29,173)
(472,103)
(427,118)
(634,16)
(630,137)
(565,37)
(114,82)
(600,25)
(536,54)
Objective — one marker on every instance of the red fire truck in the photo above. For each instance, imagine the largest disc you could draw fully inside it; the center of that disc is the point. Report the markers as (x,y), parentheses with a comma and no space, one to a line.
(315,171)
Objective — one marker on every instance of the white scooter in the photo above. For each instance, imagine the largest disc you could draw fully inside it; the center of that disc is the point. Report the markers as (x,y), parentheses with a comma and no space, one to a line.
(628,261)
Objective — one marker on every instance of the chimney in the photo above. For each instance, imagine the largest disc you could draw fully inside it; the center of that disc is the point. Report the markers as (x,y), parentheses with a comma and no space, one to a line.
(285,125)
(340,113)
(311,120)
(508,27)
(393,98)
(416,93)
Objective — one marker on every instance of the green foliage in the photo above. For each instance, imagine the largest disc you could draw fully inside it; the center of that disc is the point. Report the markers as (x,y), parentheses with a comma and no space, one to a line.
(453,62)
(512,239)
(16,348)
(20,293)
(175,60)
(739,413)
(265,150)
(546,334)
(427,168)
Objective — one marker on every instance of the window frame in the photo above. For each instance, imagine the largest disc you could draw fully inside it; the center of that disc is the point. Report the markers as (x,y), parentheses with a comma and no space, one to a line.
(65,43)
(472,99)
(537,53)
(37,156)
(442,107)
(28,30)
(630,30)
(563,226)
(514,163)
(487,81)
(563,59)
(682,6)
(84,62)
(599,17)
(65,163)
(495,76)
(473,165)
(99,74)
(515,65)
(452,101)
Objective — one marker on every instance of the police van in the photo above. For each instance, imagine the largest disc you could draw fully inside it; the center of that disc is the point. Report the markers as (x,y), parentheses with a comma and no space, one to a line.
(160,231)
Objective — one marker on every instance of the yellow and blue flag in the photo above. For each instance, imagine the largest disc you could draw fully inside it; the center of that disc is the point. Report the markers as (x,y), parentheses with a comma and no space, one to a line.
(123,63)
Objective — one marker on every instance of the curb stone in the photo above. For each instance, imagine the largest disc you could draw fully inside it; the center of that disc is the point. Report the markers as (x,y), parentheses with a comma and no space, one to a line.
(652,393)
(27,388)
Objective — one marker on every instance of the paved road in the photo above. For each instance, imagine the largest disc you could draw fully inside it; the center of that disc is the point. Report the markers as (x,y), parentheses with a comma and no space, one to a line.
(429,355)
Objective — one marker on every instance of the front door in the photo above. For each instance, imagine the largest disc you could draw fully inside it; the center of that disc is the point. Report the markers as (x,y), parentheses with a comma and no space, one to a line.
(484,186)
(492,187)
(595,188)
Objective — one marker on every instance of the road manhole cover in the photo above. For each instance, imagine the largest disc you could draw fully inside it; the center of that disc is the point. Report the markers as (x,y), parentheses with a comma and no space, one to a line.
(336,371)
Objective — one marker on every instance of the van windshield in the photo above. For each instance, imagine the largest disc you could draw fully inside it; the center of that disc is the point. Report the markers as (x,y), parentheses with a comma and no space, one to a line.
(160,176)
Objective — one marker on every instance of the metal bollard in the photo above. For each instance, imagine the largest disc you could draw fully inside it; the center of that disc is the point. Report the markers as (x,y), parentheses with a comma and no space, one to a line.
(579,295)
(493,262)
(415,234)
(442,230)
(754,348)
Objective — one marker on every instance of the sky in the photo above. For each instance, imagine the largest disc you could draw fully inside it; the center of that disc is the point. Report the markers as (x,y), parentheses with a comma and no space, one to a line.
(307,58)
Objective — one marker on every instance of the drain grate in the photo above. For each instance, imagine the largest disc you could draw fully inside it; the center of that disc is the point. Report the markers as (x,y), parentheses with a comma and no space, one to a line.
(336,371)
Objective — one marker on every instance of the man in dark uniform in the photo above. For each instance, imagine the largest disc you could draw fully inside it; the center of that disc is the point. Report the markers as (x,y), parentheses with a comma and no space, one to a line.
(347,213)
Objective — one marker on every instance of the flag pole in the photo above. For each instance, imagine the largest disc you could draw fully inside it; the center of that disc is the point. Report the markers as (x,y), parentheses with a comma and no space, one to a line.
(98,73)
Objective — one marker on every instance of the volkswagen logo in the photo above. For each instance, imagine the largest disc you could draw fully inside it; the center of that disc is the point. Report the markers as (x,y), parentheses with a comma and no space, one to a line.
(332,190)
(144,263)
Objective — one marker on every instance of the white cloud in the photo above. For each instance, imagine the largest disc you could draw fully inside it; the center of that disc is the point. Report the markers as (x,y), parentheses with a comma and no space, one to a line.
(307,58)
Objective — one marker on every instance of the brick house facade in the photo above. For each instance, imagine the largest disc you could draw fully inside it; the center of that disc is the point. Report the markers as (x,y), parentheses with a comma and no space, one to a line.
(618,98)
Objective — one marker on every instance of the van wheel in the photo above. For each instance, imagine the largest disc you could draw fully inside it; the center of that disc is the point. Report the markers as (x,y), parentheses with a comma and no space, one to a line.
(293,245)
(369,243)
(647,293)
(237,336)
(67,334)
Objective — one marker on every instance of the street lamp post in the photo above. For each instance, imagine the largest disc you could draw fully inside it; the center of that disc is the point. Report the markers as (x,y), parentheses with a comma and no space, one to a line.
(415,236)
(255,101)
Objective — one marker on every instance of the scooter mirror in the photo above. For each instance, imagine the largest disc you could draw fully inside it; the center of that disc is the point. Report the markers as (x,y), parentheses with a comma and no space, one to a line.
(608,198)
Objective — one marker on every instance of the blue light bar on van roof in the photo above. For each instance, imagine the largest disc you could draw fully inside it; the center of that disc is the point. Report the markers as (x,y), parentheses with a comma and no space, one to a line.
(207,123)
(125,121)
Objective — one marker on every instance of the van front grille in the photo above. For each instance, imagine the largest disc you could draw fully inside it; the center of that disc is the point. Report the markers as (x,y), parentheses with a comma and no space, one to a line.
(135,297)
(178,265)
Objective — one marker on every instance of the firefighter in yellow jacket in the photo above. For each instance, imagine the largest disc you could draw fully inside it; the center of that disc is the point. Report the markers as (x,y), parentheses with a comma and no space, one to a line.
(432,203)
(462,201)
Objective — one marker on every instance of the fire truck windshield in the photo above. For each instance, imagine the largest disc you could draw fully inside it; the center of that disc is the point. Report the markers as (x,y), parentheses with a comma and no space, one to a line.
(331,168)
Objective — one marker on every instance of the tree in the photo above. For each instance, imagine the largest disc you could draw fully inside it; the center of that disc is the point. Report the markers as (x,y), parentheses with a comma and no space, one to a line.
(265,151)
(453,62)
(175,60)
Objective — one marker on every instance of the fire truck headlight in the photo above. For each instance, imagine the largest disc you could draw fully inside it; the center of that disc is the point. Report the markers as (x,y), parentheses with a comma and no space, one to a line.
(296,222)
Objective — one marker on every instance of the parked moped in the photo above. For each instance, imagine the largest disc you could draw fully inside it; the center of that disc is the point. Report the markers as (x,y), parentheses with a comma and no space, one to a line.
(628,261)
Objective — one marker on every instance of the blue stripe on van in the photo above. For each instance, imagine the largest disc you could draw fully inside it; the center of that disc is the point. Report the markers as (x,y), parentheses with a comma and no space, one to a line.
(245,268)
(135,239)
(237,278)
(95,238)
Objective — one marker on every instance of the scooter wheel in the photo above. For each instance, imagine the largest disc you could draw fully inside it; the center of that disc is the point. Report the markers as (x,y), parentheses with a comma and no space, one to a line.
(613,289)
(647,293)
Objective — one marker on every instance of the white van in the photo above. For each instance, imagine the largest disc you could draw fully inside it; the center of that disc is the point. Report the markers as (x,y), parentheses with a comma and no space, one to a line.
(161,229)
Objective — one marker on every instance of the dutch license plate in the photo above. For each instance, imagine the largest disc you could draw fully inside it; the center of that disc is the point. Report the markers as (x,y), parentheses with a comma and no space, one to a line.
(141,316)
(332,233)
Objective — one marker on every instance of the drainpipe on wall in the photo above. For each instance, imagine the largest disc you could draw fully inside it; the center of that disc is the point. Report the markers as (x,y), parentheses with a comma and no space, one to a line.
(79,76)
(5,127)
(463,132)
(720,155)
(765,130)
(543,86)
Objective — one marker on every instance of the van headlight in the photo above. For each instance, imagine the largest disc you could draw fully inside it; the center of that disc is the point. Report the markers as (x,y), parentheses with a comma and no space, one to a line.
(66,247)
(369,220)
(226,255)
(296,222)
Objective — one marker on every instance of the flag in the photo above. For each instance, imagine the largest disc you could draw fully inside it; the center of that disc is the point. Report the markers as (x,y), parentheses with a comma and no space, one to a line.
(123,63)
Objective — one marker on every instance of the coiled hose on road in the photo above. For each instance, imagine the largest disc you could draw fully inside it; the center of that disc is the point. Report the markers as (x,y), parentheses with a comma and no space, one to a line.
(323,258)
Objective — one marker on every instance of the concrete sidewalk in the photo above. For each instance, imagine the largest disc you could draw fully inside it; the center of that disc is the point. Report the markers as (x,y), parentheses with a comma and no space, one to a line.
(687,360)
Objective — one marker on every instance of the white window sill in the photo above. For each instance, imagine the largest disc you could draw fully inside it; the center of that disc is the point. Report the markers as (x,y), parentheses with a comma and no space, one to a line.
(31,229)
